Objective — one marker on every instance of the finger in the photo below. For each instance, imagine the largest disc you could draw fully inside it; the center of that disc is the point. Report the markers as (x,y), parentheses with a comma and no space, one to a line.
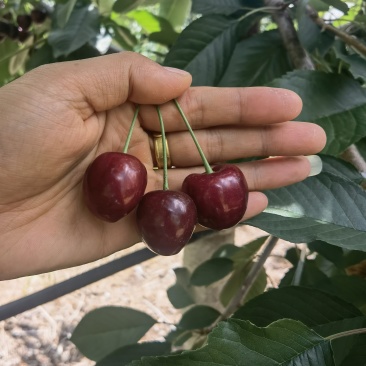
(263,174)
(209,107)
(257,202)
(222,144)
(105,82)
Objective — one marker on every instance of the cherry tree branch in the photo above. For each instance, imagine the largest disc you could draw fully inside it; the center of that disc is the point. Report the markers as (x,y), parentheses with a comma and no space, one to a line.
(301,59)
(353,156)
(296,52)
(346,333)
(248,282)
(346,38)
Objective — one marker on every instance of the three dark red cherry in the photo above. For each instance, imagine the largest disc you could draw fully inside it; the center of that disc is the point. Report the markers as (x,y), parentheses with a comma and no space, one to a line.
(113,185)
(221,197)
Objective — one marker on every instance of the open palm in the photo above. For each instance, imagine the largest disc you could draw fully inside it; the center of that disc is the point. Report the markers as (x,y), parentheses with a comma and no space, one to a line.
(56,119)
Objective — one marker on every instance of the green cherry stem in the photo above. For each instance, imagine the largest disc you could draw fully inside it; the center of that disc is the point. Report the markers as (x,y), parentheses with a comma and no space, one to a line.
(203,157)
(128,139)
(165,158)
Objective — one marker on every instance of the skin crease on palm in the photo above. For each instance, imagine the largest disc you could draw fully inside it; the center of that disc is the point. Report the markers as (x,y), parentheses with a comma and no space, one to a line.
(57,119)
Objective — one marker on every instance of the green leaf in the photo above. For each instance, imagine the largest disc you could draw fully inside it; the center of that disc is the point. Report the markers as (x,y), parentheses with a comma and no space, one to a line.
(175,11)
(235,282)
(82,27)
(40,56)
(350,288)
(325,207)
(225,7)
(167,35)
(44,55)
(354,257)
(123,356)
(18,61)
(211,271)
(63,12)
(104,330)
(356,355)
(243,261)
(311,276)
(324,313)
(226,251)
(149,22)
(7,48)
(123,36)
(318,5)
(309,306)
(240,255)
(361,146)
(341,169)
(237,342)
(178,337)
(198,317)
(124,6)
(257,61)
(330,252)
(357,64)
(311,36)
(345,346)
(338,4)
(335,102)
(181,294)
(205,54)
(86,51)
(105,7)
(293,256)
(247,252)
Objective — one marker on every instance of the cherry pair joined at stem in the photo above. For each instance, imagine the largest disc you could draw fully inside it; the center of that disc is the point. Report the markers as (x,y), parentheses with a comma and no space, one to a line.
(216,199)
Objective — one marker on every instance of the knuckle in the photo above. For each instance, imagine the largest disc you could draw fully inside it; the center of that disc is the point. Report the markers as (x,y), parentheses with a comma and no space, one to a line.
(214,145)
(264,142)
(192,103)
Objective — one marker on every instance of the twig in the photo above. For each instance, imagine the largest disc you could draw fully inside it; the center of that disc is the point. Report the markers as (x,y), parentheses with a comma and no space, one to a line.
(248,281)
(300,267)
(346,333)
(345,37)
(353,156)
(19,50)
(296,52)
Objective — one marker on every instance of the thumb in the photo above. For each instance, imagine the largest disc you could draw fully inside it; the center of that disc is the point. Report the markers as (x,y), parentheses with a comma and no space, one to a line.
(107,81)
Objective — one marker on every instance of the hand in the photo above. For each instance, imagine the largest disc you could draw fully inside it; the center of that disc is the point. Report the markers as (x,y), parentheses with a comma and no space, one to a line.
(56,119)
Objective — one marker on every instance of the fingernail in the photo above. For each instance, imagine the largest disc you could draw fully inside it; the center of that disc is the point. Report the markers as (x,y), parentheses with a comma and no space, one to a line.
(176,71)
(316,165)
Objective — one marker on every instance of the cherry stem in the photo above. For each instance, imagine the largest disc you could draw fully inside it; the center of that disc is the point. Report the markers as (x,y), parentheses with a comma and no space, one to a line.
(165,158)
(128,139)
(203,157)
(346,334)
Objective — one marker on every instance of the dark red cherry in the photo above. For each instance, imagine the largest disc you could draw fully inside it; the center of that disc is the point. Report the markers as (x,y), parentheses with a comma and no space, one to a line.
(221,197)
(23,36)
(113,185)
(39,15)
(10,30)
(166,220)
(24,21)
(8,16)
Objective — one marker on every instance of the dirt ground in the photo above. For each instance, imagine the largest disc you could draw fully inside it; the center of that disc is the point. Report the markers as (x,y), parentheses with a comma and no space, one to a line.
(40,337)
